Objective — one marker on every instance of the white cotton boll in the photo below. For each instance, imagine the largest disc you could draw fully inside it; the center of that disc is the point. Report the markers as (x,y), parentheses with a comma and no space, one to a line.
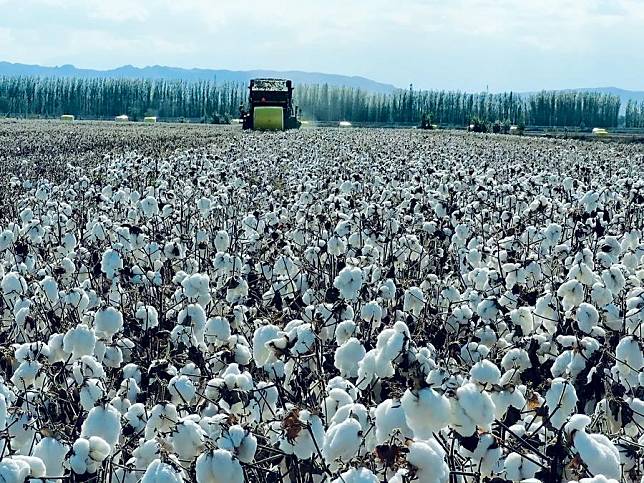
(136,417)
(630,361)
(149,206)
(14,470)
(107,322)
(36,466)
(219,466)
(111,263)
(561,395)
(13,285)
(344,331)
(79,341)
(614,280)
(88,454)
(390,419)
(148,316)
(158,472)
(335,400)
(472,408)
(597,452)
(601,295)
(357,475)
(105,422)
(426,411)
(196,286)
(182,390)
(90,392)
(428,457)
(262,354)
(6,239)
(193,316)
(217,331)
(387,290)
(239,441)
(587,317)
(188,440)
(349,282)
(517,359)
(342,442)
(336,246)
(52,453)
(414,301)
(305,444)
(524,319)
(371,312)
(518,468)
(572,294)
(222,241)
(485,372)
(50,289)
(347,357)
(162,419)
(28,374)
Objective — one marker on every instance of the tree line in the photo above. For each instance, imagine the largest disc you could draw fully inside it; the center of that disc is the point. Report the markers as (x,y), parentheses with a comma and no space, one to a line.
(211,101)
(634,115)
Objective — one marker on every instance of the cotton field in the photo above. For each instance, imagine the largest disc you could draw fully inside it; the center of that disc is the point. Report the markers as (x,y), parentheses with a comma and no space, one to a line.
(345,306)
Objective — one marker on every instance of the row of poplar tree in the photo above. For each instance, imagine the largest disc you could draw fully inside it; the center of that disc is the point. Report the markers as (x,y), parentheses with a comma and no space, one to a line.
(213,102)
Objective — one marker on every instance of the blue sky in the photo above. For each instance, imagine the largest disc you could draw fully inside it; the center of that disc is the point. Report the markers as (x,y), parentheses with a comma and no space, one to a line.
(450,44)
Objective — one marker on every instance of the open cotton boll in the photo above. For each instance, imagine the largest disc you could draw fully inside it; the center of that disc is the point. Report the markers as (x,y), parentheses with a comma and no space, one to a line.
(36,466)
(426,411)
(217,331)
(561,401)
(347,357)
(371,312)
(52,453)
(518,468)
(630,361)
(149,206)
(485,372)
(148,316)
(162,419)
(428,457)
(222,241)
(79,341)
(472,408)
(159,472)
(13,285)
(182,390)
(88,454)
(342,442)
(414,301)
(614,280)
(90,392)
(188,440)
(587,317)
(349,282)
(193,316)
(571,293)
(240,442)
(14,470)
(305,443)
(111,263)
(218,466)
(390,420)
(357,475)
(107,322)
(598,453)
(103,421)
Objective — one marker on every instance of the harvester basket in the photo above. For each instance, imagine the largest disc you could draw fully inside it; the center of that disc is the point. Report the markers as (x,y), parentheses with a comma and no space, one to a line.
(268,118)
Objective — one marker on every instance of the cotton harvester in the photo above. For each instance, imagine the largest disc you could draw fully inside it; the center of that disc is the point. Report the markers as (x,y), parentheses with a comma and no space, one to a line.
(270,106)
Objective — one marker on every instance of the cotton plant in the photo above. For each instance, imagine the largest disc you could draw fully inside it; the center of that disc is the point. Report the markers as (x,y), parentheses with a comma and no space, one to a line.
(262,307)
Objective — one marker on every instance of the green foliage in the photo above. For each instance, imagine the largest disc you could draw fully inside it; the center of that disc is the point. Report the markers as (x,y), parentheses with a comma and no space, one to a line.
(169,99)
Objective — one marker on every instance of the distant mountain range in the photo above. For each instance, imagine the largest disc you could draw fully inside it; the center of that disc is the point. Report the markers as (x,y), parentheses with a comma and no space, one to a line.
(161,72)
(222,75)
